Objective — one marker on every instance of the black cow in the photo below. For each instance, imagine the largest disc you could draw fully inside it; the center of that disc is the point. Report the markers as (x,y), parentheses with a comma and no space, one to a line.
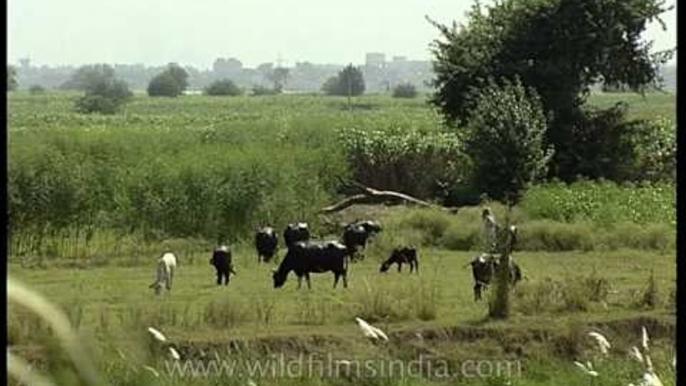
(484,268)
(402,255)
(357,233)
(304,257)
(221,260)
(266,241)
(296,232)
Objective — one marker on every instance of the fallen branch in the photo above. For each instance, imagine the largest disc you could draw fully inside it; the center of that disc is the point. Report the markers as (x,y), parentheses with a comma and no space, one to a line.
(373,196)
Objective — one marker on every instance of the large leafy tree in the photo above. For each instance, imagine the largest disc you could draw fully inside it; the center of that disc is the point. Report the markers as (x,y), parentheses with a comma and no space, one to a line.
(558,47)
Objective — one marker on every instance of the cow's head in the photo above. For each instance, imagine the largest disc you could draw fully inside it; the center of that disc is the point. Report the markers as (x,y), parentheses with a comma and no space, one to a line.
(279,278)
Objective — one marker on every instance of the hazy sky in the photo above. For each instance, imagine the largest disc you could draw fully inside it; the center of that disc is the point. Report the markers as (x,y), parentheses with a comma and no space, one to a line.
(196,32)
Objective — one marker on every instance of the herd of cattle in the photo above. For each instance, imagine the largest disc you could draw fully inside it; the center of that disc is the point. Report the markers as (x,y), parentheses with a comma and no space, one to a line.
(305,256)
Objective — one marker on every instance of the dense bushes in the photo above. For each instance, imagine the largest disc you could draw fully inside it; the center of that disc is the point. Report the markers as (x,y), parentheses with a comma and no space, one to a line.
(105,96)
(131,182)
(404,159)
(171,82)
(223,87)
(404,90)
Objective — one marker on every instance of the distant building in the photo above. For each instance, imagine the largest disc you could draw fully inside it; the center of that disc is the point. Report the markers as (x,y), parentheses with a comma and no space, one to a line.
(375,59)
(399,59)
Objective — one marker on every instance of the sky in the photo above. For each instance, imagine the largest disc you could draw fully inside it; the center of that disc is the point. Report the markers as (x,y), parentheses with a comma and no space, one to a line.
(196,32)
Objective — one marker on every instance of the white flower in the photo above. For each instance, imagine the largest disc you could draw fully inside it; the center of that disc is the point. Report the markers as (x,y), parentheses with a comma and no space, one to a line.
(174,354)
(251,382)
(602,341)
(645,339)
(370,331)
(156,334)
(635,353)
(587,368)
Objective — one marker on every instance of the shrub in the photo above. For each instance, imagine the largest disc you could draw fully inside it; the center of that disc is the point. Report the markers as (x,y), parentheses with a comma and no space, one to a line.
(261,90)
(505,142)
(164,84)
(650,295)
(404,90)
(404,159)
(36,89)
(223,87)
(105,96)
(171,82)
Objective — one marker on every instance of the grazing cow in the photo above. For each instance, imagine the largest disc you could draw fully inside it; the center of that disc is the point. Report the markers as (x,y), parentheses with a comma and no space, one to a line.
(370,225)
(357,233)
(296,232)
(266,241)
(484,268)
(166,265)
(304,257)
(402,255)
(221,260)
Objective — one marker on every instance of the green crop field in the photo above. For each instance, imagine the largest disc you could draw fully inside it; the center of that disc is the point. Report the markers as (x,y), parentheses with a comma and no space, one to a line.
(94,199)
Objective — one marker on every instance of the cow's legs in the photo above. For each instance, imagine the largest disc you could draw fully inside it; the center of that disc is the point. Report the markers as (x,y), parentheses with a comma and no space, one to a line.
(227,275)
(219,277)
(400,266)
(307,277)
(345,279)
(477,292)
(300,281)
(336,275)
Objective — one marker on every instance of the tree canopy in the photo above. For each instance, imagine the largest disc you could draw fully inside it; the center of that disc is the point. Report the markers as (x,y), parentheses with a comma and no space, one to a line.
(171,82)
(348,81)
(558,47)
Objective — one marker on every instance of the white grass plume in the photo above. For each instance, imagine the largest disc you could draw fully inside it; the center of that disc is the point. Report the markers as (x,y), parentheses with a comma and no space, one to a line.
(19,293)
(370,331)
(587,368)
(157,334)
(603,343)
(635,353)
(174,354)
(644,338)
(152,371)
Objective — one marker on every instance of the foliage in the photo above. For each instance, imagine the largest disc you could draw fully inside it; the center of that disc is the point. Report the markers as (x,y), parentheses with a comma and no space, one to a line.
(404,90)
(36,89)
(104,96)
(11,78)
(404,160)
(87,76)
(349,81)
(171,82)
(602,203)
(506,140)
(558,47)
(261,90)
(223,87)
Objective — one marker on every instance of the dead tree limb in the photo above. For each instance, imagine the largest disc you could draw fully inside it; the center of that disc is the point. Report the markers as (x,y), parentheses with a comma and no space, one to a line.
(373,196)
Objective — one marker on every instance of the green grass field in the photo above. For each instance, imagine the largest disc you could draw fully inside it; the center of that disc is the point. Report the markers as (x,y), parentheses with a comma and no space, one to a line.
(582,273)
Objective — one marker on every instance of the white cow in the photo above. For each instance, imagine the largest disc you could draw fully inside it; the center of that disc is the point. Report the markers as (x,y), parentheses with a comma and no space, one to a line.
(165,272)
